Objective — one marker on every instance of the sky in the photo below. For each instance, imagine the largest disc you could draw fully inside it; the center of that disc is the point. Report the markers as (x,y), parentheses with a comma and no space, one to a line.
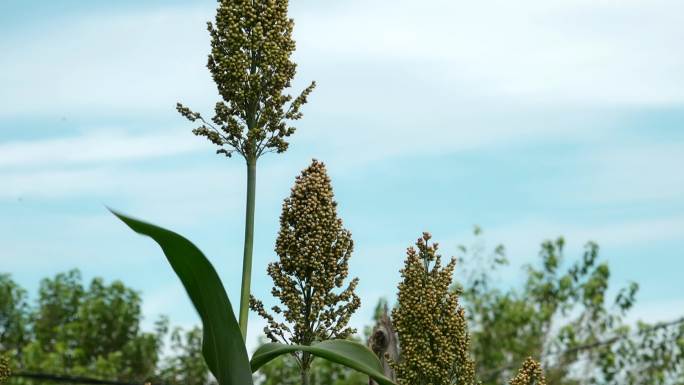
(532,119)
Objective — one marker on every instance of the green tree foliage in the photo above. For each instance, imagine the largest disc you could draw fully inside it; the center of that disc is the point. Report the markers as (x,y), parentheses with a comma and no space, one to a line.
(563,313)
(92,331)
(432,329)
(313,250)
(115,313)
(185,365)
(653,354)
(14,317)
(251,46)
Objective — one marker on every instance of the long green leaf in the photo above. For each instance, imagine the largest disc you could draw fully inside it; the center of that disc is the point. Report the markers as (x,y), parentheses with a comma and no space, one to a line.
(348,353)
(222,345)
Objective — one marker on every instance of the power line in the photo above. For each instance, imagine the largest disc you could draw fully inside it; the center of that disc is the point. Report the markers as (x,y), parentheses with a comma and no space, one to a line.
(75,379)
(491,374)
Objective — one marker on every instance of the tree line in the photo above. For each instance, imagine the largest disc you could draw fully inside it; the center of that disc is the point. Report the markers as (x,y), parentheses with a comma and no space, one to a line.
(93,331)
(561,314)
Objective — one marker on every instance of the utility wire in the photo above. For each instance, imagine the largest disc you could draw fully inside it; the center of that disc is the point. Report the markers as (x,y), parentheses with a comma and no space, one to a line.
(491,374)
(74,379)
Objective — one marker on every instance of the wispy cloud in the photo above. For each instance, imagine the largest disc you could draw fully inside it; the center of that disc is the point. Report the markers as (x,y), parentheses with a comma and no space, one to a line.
(611,174)
(522,240)
(613,234)
(578,52)
(94,148)
(123,62)
(633,173)
(656,311)
(605,52)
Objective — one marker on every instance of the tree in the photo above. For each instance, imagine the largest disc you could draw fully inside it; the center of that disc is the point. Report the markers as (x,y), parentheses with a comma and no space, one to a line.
(564,315)
(653,355)
(58,303)
(432,329)
(92,332)
(251,45)
(186,364)
(313,249)
(14,320)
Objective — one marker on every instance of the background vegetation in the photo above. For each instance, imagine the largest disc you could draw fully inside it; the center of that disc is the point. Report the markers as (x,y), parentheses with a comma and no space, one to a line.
(562,313)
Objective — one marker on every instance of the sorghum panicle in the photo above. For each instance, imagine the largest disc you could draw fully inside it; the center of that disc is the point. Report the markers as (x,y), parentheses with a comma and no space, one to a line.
(5,371)
(313,249)
(251,45)
(530,373)
(432,328)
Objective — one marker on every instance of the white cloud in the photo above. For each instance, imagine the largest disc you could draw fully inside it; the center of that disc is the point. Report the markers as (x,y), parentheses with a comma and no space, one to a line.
(586,52)
(611,234)
(656,311)
(609,174)
(192,193)
(394,138)
(496,51)
(522,238)
(644,172)
(96,147)
(163,299)
(119,62)
(109,167)
(410,77)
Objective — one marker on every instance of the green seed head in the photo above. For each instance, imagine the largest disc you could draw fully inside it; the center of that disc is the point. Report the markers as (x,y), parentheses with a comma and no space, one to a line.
(250,62)
(5,371)
(313,251)
(431,325)
(531,373)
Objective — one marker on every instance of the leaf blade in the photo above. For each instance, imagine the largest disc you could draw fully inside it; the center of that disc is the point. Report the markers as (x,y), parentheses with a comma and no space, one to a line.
(222,345)
(348,353)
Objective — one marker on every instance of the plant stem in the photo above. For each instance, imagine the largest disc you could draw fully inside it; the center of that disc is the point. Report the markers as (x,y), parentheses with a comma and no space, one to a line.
(305,368)
(249,245)
(305,377)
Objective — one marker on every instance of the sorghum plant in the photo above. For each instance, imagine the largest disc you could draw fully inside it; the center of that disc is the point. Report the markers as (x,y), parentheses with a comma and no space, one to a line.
(5,371)
(432,328)
(313,249)
(251,45)
(530,373)
(223,348)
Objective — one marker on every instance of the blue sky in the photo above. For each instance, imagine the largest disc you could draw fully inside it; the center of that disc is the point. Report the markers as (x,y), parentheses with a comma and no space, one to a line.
(535,120)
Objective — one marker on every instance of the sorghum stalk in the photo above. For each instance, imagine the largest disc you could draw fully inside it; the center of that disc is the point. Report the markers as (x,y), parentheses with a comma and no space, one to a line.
(251,45)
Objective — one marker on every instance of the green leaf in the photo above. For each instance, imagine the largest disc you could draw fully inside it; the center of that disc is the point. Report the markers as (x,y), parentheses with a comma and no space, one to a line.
(222,344)
(348,353)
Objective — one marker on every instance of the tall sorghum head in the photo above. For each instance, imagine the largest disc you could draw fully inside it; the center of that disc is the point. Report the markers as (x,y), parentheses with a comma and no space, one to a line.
(251,45)
(432,329)
(313,252)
